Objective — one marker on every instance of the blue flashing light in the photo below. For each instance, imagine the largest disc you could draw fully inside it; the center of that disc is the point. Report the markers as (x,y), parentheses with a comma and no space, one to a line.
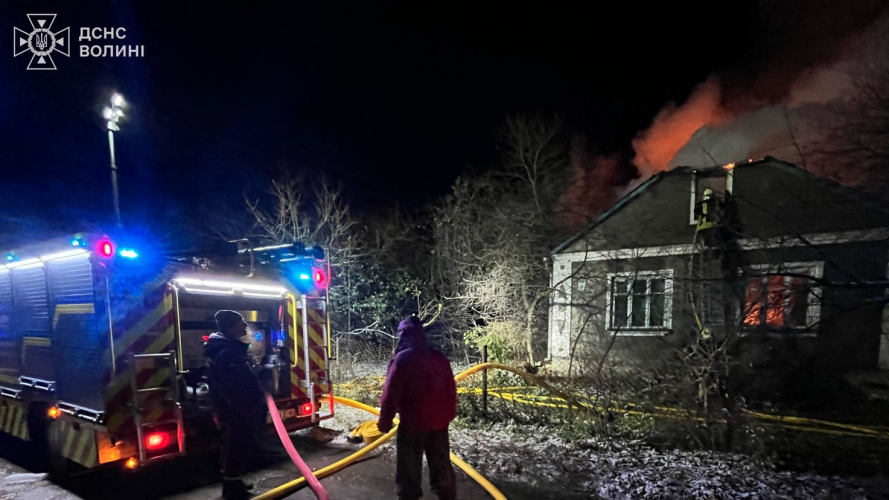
(304,276)
(258,336)
(77,243)
(10,257)
(128,253)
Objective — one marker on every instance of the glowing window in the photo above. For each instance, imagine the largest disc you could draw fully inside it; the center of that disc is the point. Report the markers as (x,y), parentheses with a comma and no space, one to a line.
(784,297)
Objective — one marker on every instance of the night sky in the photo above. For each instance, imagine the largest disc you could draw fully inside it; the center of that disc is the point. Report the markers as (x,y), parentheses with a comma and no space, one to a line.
(392,100)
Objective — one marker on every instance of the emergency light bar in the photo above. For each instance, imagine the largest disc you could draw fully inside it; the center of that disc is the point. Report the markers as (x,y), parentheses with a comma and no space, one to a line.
(104,247)
(286,252)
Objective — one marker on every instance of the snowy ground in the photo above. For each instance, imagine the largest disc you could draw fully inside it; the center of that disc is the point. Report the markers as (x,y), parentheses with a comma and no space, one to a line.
(625,470)
(617,469)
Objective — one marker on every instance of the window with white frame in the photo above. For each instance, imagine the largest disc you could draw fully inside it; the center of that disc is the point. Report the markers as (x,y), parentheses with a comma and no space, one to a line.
(783,297)
(640,301)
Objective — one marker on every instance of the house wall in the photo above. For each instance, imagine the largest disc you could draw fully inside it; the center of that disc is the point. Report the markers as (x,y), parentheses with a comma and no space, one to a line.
(848,337)
(591,338)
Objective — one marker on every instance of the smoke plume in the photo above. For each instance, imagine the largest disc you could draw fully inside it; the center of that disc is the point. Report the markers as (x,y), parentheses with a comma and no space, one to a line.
(597,182)
(779,111)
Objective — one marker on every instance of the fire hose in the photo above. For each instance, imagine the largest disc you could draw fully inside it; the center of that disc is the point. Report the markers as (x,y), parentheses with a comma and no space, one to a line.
(372,435)
(314,483)
(375,441)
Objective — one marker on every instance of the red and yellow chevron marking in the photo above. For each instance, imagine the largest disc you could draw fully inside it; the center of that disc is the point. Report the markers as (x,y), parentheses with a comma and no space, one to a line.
(149,330)
(86,445)
(13,419)
(292,324)
(315,322)
(155,403)
(153,333)
(76,442)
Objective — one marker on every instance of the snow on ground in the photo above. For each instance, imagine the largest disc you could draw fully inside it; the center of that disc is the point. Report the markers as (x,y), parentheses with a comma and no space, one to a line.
(625,470)
(614,469)
(18,484)
(620,470)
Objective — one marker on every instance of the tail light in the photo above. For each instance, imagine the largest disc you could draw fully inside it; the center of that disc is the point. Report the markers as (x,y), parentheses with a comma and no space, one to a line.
(160,440)
(157,440)
(306,409)
(105,248)
(319,277)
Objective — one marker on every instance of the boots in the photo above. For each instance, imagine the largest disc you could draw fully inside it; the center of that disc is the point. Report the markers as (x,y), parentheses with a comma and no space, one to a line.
(236,490)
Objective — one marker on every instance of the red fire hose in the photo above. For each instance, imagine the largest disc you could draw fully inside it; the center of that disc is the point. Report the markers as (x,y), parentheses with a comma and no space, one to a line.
(313,481)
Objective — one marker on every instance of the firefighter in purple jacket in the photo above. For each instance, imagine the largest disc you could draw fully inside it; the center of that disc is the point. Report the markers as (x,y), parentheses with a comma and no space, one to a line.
(420,387)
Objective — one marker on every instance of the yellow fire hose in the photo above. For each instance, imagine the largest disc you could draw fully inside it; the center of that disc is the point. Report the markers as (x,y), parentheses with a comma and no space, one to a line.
(292,486)
(789,422)
(371,435)
(374,438)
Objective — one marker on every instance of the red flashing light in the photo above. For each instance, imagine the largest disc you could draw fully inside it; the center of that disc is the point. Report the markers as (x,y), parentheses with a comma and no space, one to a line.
(105,248)
(306,409)
(206,338)
(157,440)
(319,277)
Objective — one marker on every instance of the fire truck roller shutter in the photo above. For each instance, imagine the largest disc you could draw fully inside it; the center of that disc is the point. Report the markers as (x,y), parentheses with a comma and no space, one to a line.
(33,322)
(9,340)
(79,348)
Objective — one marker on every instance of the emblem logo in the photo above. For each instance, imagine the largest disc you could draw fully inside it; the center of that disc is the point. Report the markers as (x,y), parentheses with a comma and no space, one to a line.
(41,42)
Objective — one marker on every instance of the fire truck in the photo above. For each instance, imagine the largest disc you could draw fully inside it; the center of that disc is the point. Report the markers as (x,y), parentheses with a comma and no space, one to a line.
(101,345)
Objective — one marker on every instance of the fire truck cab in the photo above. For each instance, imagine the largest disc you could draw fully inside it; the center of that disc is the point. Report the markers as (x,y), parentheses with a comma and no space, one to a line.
(101,346)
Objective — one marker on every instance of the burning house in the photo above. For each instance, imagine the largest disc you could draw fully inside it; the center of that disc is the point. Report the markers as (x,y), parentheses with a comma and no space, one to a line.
(778,275)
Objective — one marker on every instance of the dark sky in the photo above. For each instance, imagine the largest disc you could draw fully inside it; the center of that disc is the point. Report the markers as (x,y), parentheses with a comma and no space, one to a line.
(392,100)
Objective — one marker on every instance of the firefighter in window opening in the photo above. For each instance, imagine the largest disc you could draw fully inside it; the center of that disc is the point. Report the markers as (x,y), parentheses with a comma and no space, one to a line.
(719,227)
(237,399)
(420,387)
(708,211)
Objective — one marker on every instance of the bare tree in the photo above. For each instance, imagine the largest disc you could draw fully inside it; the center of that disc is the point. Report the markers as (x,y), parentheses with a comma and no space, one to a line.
(307,212)
(854,147)
(494,231)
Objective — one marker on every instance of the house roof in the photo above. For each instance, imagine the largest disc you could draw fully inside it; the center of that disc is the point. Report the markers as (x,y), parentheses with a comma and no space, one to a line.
(685,170)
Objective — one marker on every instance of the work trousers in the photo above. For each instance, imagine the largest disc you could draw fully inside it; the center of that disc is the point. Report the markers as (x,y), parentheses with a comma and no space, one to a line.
(237,446)
(409,472)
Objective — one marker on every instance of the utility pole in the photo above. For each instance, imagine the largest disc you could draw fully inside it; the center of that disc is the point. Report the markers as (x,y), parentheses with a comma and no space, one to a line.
(113,115)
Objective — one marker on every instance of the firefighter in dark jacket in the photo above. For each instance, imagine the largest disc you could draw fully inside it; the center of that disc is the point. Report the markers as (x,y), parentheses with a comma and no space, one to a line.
(420,387)
(237,400)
